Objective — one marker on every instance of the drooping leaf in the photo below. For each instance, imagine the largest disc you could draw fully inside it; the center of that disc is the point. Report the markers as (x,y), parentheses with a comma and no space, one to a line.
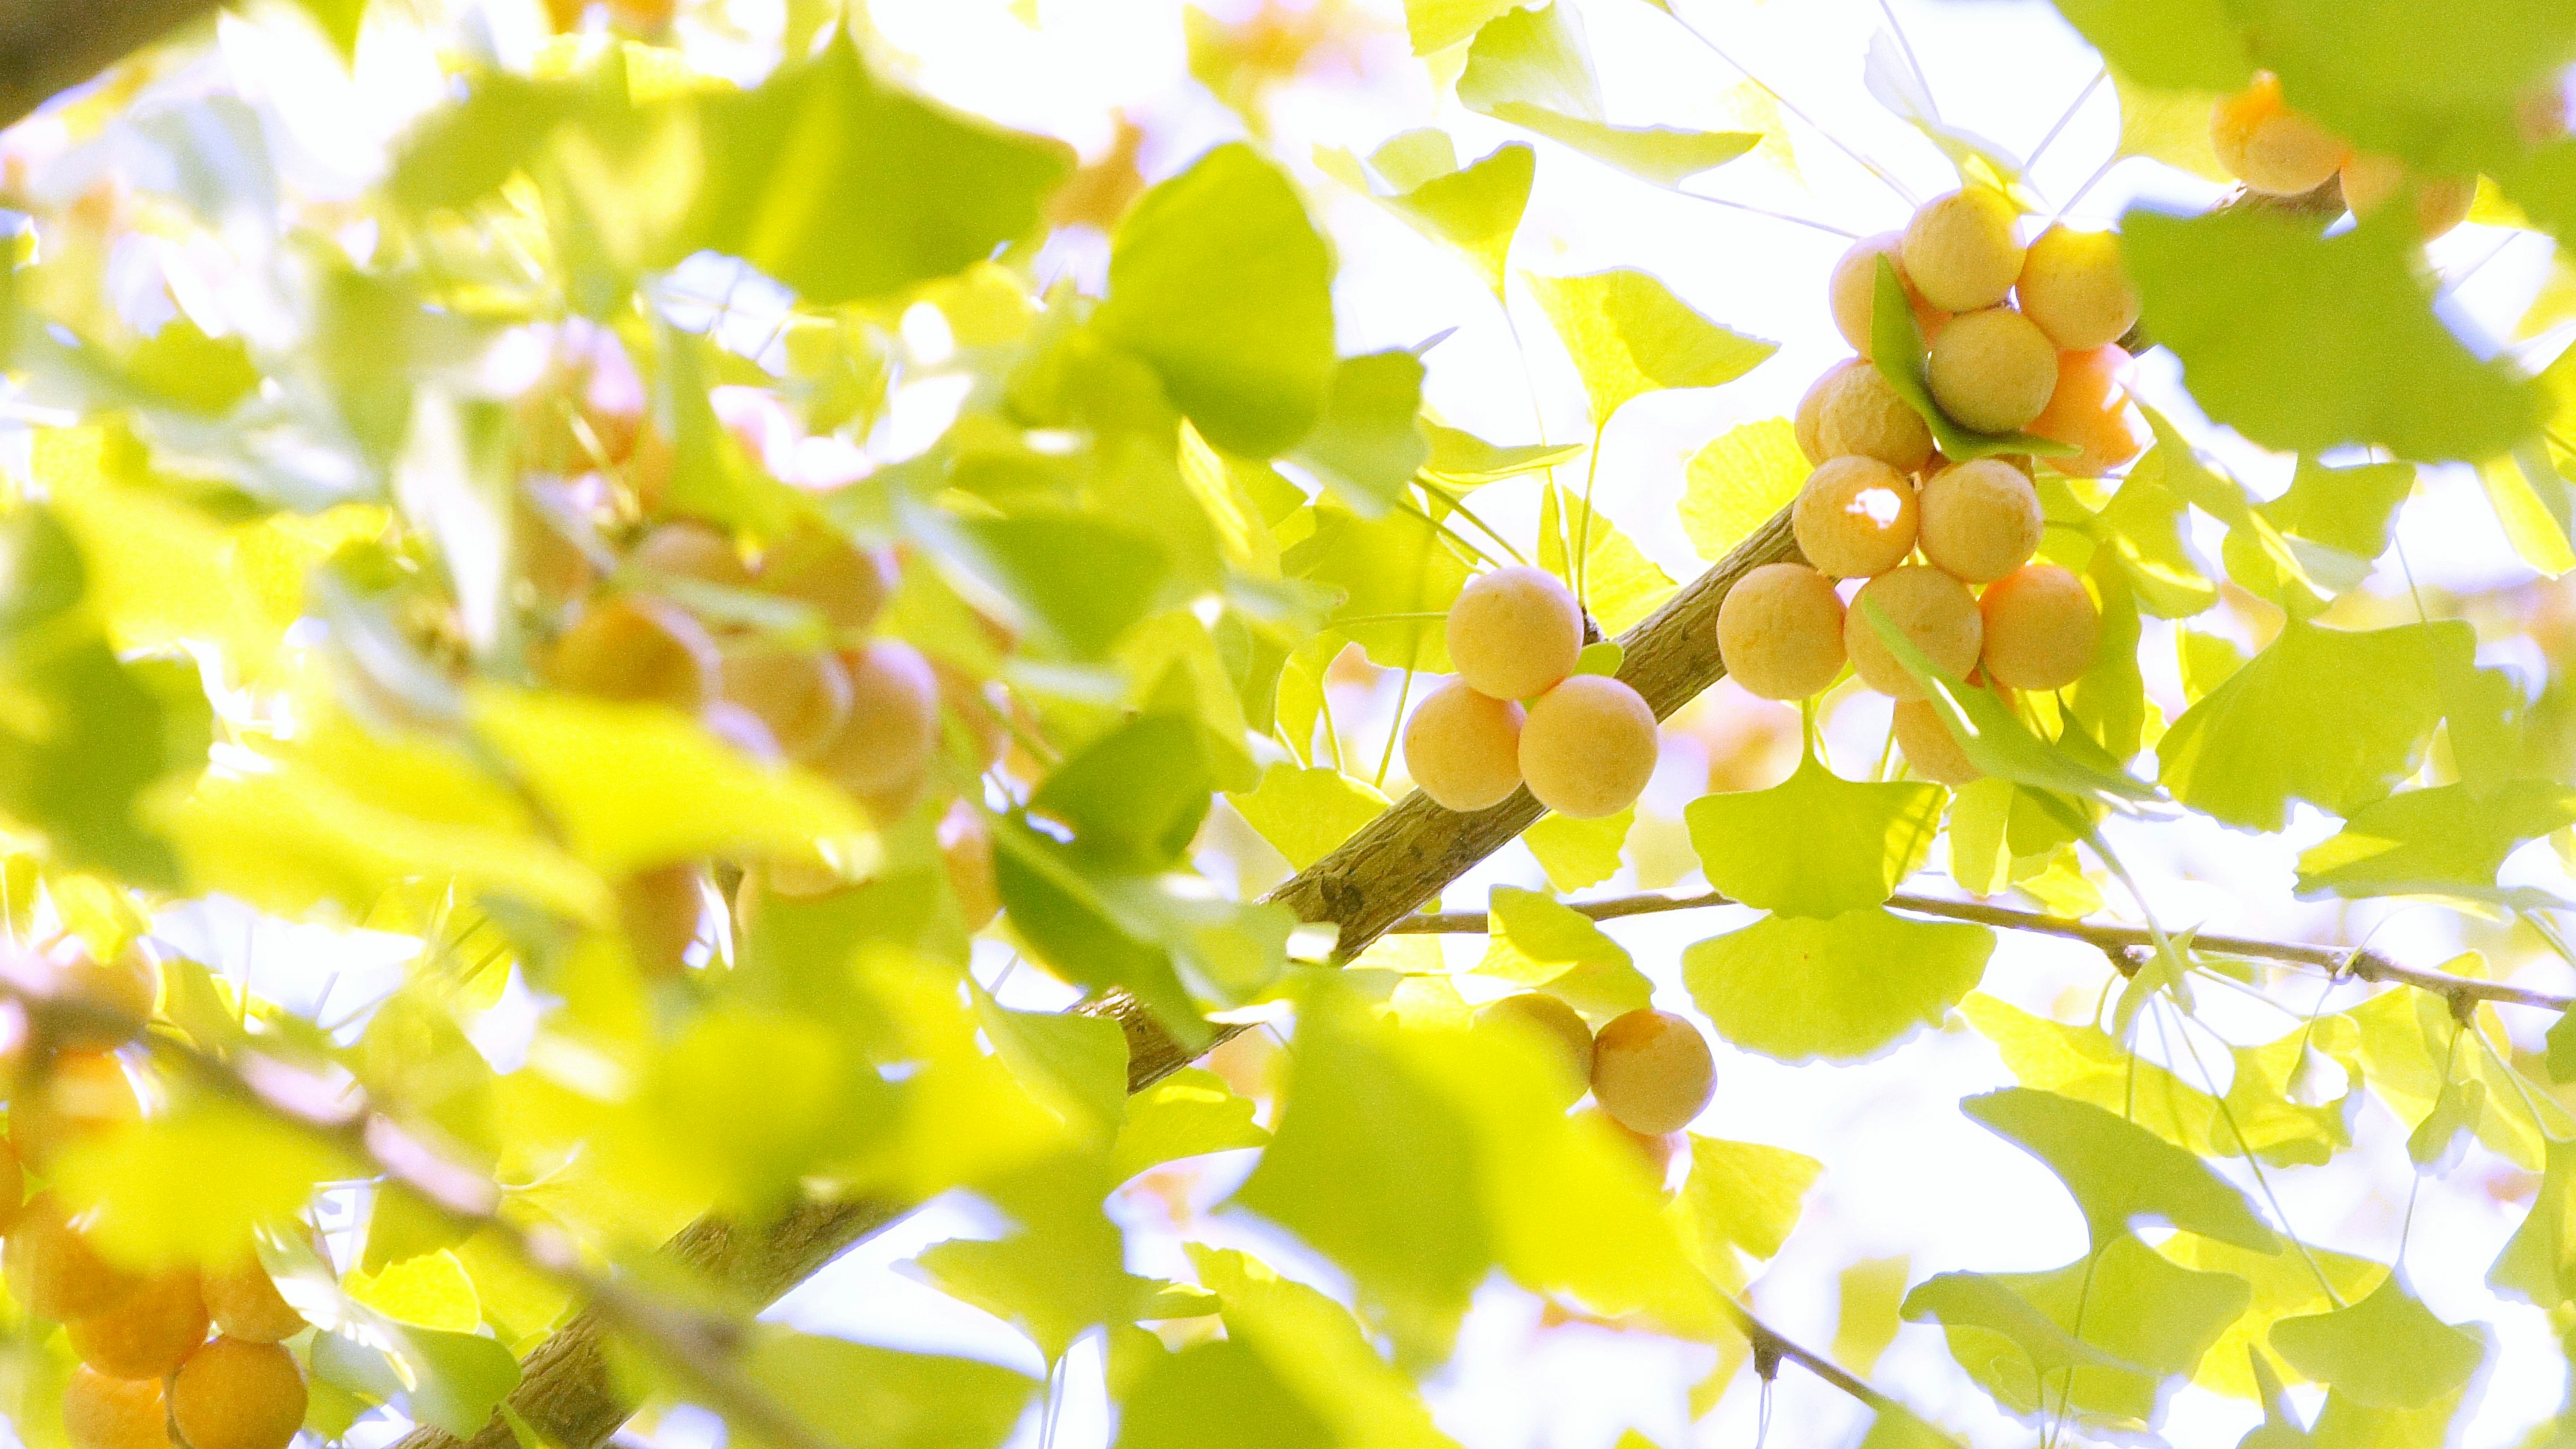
(2118,1171)
(1814,844)
(1187,1113)
(2387,1351)
(2445,839)
(856,1392)
(1367,444)
(1736,482)
(2309,343)
(1742,1198)
(1842,989)
(1306,812)
(1218,279)
(1629,335)
(1535,941)
(1397,575)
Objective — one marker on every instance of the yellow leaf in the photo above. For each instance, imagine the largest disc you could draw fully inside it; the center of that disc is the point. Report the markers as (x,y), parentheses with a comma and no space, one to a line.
(2285,1286)
(1740,479)
(632,786)
(2168,126)
(191,1186)
(430,1290)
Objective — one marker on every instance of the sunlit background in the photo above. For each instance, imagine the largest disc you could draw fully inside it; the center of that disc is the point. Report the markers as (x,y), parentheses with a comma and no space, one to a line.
(1911,1187)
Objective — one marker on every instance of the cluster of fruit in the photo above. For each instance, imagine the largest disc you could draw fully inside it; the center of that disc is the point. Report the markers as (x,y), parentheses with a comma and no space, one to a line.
(1649,1072)
(2282,152)
(179,1356)
(1881,496)
(648,606)
(1517,713)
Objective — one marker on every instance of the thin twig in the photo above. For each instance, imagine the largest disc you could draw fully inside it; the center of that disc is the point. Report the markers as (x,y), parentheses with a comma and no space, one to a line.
(2366,964)
(1767,1338)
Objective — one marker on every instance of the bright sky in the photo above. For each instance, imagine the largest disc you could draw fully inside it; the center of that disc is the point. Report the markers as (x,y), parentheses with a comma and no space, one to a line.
(1905,1173)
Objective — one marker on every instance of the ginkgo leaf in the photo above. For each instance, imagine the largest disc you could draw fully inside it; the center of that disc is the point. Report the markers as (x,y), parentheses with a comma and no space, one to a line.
(429,1291)
(1898,351)
(1536,941)
(2284,1284)
(2533,506)
(2193,45)
(1458,456)
(1665,155)
(1397,576)
(1842,989)
(1367,444)
(2143,527)
(2171,126)
(1629,335)
(1306,812)
(2387,1351)
(2118,1171)
(2538,1264)
(855,1392)
(1186,1114)
(1620,585)
(1814,844)
(2447,838)
(1219,280)
(2333,717)
(1474,209)
(1534,58)
(1439,24)
(1742,1198)
(189,1187)
(1579,853)
(1737,481)
(2309,343)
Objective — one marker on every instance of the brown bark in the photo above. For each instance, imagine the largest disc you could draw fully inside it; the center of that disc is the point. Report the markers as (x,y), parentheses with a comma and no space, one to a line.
(1380,875)
(49,46)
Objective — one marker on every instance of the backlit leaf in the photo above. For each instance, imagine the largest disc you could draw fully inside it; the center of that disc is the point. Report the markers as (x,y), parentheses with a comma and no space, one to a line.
(1842,989)
(1629,335)
(2118,1171)
(1814,844)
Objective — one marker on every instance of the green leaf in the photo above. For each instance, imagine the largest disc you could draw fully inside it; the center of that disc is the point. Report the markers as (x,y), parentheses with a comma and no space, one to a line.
(2182,45)
(1186,1114)
(1306,812)
(1398,576)
(1534,59)
(1621,586)
(2307,343)
(463,1377)
(1898,351)
(2284,1284)
(1318,1351)
(855,1393)
(1134,797)
(1736,482)
(1074,1063)
(1220,282)
(2388,1351)
(1665,155)
(2118,1171)
(190,1187)
(1742,1198)
(457,155)
(846,188)
(1080,614)
(2331,523)
(1368,442)
(1061,1274)
(2332,717)
(428,1291)
(1842,989)
(2532,505)
(1439,24)
(2442,840)
(1462,457)
(2538,1264)
(1535,941)
(1814,844)
(1579,853)
(339,20)
(1629,335)
(1474,209)
(2142,528)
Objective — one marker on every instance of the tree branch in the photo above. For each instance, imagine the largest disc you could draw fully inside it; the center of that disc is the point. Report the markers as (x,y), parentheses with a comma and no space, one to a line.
(2361,962)
(49,46)
(1376,878)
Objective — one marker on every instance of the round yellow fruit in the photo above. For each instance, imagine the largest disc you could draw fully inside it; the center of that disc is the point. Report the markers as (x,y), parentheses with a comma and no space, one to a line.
(81,1095)
(2090,409)
(1862,416)
(846,584)
(101,1411)
(683,549)
(637,649)
(1930,609)
(2041,628)
(1810,421)
(54,1270)
(1855,517)
(2270,147)
(1853,292)
(1514,632)
(1929,747)
(1992,371)
(1652,1072)
(1980,520)
(1463,748)
(148,1333)
(2441,202)
(1780,631)
(1588,747)
(236,1395)
(1553,1025)
(2074,289)
(893,725)
(244,1303)
(966,853)
(800,696)
(1960,250)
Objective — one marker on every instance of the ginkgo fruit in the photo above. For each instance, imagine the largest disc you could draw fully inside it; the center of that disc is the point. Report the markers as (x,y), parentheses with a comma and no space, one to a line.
(659,909)
(1853,292)
(1809,424)
(2090,409)
(683,549)
(882,755)
(846,584)
(149,1332)
(2074,289)
(1588,747)
(800,696)
(101,1411)
(1929,747)
(2041,628)
(244,1303)
(966,853)
(13,1184)
(637,649)
(1651,1070)
(53,1269)
(2371,180)
(1992,371)
(1780,631)
(1555,1026)
(1854,517)
(1462,747)
(1960,250)
(1514,632)
(1861,415)
(1928,609)
(81,1095)
(232,1394)
(2270,147)
(1979,520)
(127,984)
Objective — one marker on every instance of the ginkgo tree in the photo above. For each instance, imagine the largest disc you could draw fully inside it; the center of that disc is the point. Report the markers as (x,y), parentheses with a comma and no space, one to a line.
(703,649)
